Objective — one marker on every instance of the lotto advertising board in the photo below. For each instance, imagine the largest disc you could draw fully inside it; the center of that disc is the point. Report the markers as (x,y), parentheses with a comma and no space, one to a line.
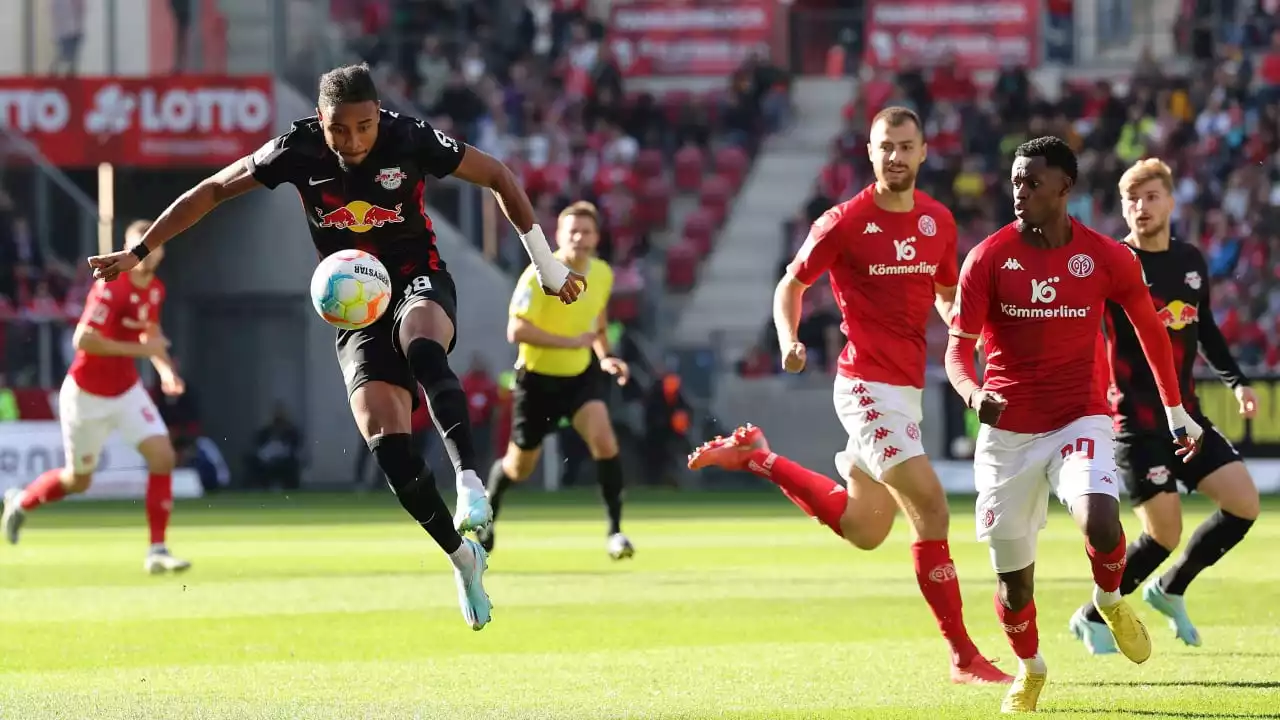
(195,121)
(29,447)
(974,35)
(679,38)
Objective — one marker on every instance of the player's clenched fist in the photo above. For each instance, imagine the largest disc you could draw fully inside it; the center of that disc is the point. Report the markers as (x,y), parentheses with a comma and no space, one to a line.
(794,357)
(108,267)
(990,406)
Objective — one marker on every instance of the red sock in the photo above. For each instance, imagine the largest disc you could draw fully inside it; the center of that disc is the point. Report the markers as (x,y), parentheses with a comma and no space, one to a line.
(936,575)
(1108,567)
(816,494)
(43,490)
(1020,628)
(159,505)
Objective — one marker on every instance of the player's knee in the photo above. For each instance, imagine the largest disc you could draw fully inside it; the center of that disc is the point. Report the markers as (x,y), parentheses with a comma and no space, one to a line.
(430,363)
(396,458)
(602,443)
(1016,589)
(1244,504)
(863,537)
(518,463)
(159,454)
(1099,517)
(1167,531)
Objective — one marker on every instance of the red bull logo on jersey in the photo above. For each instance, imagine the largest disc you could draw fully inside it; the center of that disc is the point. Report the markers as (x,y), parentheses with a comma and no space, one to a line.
(1177,314)
(359,216)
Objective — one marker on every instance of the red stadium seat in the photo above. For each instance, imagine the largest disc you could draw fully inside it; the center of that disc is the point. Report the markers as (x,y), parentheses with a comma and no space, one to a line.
(682,267)
(689,166)
(625,307)
(733,163)
(699,230)
(717,192)
(674,102)
(654,205)
(649,164)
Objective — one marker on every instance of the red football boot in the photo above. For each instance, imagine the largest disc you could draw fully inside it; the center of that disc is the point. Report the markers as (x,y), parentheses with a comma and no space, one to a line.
(979,671)
(729,453)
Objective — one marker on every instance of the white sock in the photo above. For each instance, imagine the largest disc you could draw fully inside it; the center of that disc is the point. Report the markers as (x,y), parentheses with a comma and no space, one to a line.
(469,480)
(159,548)
(463,558)
(1104,599)
(1034,665)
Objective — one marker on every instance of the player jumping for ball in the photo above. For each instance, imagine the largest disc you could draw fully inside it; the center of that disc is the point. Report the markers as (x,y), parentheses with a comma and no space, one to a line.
(1036,292)
(891,252)
(360,171)
(102,393)
(1179,285)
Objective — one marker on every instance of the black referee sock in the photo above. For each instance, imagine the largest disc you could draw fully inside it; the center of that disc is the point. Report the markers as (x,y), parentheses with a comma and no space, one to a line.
(415,487)
(497,486)
(1213,539)
(1141,559)
(609,475)
(448,403)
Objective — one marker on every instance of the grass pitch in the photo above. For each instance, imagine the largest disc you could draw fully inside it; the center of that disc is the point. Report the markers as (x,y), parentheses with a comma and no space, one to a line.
(736,606)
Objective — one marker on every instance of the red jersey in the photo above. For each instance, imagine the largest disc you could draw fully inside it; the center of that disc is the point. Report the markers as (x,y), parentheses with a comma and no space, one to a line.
(884,268)
(118,310)
(1040,311)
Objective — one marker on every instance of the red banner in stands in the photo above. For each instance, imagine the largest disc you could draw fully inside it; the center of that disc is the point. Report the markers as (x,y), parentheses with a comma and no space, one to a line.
(976,35)
(678,37)
(194,121)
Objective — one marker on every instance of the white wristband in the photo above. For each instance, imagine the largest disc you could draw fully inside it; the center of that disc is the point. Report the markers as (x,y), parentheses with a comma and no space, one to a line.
(1180,420)
(551,272)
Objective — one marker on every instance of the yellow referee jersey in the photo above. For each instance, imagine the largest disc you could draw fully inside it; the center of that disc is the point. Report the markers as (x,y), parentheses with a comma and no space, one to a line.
(547,313)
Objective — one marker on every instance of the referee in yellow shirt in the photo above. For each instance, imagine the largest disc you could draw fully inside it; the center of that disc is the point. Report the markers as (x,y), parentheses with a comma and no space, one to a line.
(563,371)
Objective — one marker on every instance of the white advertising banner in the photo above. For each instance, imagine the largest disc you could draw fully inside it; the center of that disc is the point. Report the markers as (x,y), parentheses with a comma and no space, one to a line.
(29,447)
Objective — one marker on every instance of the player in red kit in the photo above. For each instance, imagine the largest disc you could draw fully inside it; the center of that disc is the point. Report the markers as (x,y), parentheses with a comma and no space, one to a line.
(1035,291)
(102,393)
(891,254)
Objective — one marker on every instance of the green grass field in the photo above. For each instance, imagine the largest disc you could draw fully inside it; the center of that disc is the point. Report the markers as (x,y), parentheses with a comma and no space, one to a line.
(337,606)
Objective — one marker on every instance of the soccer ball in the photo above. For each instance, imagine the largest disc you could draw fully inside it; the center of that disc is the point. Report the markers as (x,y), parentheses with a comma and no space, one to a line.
(351,289)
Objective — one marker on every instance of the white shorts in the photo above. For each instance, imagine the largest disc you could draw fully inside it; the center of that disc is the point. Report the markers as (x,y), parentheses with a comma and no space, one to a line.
(87,421)
(883,422)
(1014,473)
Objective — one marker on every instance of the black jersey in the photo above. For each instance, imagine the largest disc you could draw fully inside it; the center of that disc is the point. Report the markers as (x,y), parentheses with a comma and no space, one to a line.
(1179,283)
(377,206)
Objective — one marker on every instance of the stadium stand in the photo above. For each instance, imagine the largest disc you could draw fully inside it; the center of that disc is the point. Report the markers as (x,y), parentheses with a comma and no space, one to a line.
(1218,126)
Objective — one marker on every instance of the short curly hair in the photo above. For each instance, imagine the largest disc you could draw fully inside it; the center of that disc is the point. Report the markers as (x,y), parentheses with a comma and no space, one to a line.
(1055,151)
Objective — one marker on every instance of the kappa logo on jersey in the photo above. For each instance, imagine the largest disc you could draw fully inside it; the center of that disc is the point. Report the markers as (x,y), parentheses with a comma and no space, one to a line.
(928,227)
(1080,265)
(882,433)
(358,216)
(1193,280)
(1011,264)
(390,178)
(1177,314)
(1043,291)
(871,228)
(905,249)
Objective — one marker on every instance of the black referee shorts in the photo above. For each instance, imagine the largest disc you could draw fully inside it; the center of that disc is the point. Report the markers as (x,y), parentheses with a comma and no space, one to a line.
(373,354)
(1148,465)
(540,402)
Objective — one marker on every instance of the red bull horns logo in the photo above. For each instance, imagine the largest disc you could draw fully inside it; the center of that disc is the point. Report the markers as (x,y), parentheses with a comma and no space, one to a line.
(1177,315)
(359,216)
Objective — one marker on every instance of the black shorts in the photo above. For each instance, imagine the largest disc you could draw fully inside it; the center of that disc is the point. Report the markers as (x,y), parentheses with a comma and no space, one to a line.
(373,354)
(540,402)
(1148,465)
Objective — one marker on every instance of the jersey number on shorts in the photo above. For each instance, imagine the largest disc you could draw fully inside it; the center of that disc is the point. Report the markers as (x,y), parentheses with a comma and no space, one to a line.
(420,284)
(1084,446)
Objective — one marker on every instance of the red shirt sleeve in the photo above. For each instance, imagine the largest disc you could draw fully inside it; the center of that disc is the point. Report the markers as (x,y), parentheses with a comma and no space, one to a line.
(1129,290)
(973,294)
(948,273)
(820,249)
(100,307)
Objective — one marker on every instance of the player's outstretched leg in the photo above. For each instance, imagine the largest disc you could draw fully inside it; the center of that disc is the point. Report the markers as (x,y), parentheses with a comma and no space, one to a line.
(1016,609)
(50,487)
(917,489)
(1099,516)
(158,452)
(415,487)
(591,421)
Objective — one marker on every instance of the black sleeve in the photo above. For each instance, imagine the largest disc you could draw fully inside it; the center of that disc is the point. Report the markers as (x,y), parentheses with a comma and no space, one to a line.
(1213,346)
(435,152)
(276,162)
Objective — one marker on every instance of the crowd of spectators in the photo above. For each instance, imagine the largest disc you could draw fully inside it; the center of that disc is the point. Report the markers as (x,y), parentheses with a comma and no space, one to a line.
(543,93)
(1217,126)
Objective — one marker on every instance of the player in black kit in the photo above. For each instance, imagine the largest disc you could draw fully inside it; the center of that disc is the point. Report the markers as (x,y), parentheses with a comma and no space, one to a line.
(1179,282)
(360,171)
